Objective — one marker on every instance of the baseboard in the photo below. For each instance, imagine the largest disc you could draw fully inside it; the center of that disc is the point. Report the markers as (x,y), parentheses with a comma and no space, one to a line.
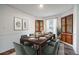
(66,43)
(8,52)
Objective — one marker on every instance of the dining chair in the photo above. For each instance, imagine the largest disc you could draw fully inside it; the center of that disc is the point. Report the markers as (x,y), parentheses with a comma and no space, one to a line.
(56,44)
(51,49)
(24,50)
(30,50)
(25,43)
(47,50)
(22,37)
(19,49)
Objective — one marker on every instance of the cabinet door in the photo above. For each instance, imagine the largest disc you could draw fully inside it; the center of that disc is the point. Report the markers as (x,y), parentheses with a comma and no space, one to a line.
(63,25)
(36,26)
(63,37)
(69,22)
(69,38)
(39,26)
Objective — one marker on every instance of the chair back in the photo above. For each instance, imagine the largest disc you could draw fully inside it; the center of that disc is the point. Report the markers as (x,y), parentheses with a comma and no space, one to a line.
(19,49)
(24,49)
(29,50)
(52,48)
(22,37)
(56,47)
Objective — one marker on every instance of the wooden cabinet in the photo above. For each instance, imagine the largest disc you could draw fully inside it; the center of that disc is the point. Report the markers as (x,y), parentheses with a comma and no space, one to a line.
(39,25)
(67,29)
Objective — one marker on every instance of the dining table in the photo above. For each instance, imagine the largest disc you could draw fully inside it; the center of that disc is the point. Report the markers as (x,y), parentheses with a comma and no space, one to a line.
(38,41)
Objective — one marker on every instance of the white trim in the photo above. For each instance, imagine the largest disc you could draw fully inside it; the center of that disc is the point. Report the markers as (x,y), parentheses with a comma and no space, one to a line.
(67,43)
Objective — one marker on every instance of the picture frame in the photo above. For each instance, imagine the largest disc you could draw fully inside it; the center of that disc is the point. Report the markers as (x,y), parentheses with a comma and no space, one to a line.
(25,26)
(17,23)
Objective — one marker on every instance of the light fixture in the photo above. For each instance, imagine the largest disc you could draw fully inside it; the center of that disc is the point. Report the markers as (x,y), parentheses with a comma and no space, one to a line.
(41,5)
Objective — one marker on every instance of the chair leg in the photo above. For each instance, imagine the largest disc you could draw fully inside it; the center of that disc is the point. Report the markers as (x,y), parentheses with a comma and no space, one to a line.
(58,51)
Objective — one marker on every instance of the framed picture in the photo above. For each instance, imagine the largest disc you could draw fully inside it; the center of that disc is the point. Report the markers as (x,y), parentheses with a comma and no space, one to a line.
(25,25)
(17,23)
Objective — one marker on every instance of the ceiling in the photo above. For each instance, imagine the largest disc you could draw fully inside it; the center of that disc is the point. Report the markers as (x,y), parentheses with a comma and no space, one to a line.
(48,10)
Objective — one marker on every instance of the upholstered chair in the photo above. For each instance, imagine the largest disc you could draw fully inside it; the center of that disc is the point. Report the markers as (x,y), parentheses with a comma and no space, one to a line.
(24,50)
(19,49)
(22,40)
(52,48)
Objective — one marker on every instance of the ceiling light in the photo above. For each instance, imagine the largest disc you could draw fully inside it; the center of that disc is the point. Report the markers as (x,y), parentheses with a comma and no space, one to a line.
(41,5)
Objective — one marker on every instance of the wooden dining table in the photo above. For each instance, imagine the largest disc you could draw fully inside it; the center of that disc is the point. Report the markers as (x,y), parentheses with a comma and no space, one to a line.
(38,41)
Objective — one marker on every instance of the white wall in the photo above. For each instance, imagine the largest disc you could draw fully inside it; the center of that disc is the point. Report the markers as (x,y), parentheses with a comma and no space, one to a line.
(77,28)
(7,33)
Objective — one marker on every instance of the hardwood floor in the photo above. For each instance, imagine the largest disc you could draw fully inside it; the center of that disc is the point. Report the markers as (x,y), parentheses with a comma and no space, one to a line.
(68,50)
(8,52)
(63,50)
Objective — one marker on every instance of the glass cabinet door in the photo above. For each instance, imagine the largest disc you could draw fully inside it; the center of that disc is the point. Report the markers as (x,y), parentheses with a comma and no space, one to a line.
(69,24)
(39,26)
(63,24)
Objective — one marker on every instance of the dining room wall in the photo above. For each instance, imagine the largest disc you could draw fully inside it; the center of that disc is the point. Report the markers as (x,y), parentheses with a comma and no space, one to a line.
(7,33)
(76,28)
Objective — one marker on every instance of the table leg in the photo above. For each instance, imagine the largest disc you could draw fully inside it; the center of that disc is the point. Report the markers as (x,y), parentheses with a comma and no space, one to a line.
(39,50)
